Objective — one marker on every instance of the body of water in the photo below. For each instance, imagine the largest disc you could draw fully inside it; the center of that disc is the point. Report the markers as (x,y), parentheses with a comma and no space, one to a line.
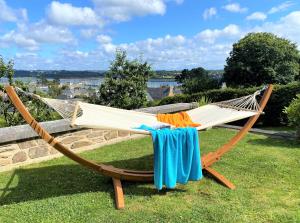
(94,82)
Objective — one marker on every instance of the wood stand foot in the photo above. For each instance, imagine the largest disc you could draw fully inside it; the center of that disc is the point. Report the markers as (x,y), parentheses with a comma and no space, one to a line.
(220,178)
(119,195)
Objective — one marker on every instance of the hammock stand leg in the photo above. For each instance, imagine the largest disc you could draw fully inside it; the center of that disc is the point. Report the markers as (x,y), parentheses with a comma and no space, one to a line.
(118,174)
(119,195)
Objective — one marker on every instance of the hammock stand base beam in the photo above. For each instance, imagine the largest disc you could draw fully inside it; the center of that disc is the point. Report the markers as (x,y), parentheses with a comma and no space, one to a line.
(220,178)
(118,174)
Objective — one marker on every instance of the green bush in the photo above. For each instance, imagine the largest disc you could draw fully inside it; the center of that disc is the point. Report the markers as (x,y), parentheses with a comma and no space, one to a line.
(204,101)
(274,115)
(293,113)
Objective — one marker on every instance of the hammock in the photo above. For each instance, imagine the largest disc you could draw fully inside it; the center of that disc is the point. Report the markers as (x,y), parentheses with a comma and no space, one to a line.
(87,115)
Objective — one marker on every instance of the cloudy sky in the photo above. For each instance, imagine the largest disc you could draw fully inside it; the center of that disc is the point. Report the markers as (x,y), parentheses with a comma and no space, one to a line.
(170,34)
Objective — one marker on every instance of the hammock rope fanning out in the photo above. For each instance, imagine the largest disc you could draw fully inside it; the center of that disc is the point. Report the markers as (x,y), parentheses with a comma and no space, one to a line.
(97,116)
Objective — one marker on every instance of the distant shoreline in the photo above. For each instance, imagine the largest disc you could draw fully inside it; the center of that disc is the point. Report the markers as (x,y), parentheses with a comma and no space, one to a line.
(95,77)
(66,74)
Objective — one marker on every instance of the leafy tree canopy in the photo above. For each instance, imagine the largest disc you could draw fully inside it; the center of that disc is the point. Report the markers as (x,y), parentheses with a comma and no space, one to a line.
(125,83)
(197,80)
(262,58)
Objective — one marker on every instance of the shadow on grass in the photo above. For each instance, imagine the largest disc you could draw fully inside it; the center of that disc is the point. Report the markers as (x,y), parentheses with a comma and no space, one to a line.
(271,142)
(60,180)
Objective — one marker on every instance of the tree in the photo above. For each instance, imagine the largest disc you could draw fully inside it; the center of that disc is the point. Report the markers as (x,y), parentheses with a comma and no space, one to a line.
(125,83)
(197,80)
(8,112)
(6,70)
(262,58)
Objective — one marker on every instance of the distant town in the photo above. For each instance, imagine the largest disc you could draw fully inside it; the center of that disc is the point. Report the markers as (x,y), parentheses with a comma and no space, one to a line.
(85,84)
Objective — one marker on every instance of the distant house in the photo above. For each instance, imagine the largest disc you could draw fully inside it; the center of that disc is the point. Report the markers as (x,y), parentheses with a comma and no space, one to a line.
(74,93)
(162,92)
(66,94)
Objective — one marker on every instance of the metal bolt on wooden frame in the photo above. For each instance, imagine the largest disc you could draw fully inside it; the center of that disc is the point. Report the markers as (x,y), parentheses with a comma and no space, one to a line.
(118,174)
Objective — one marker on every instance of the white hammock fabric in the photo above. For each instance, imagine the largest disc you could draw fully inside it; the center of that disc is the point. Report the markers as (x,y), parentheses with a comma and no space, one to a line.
(95,116)
(103,117)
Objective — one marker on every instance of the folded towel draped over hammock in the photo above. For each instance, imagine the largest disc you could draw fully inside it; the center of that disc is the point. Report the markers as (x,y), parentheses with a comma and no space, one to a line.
(180,119)
(176,156)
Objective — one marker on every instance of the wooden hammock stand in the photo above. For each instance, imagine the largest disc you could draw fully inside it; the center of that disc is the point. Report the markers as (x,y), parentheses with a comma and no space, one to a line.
(118,174)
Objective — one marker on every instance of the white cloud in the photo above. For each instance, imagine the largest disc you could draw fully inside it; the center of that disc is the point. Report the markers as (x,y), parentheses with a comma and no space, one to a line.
(210,12)
(257,16)
(287,27)
(210,35)
(77,54)
(88,33)
(31,36)
(209,48)
(11,15)
(66,14)
(124,10)
(25,54)
(281,7)
(45,33)
(235,7)
(103,39)
(20,40)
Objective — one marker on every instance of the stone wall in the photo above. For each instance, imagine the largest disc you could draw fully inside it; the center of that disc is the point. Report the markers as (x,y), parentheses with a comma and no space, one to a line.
(20,145)
(34,150)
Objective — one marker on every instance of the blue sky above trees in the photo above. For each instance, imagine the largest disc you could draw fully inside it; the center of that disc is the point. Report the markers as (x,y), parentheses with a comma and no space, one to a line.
(169,34)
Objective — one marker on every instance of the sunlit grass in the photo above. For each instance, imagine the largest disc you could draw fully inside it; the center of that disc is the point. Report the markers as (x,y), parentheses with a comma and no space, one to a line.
(265,171)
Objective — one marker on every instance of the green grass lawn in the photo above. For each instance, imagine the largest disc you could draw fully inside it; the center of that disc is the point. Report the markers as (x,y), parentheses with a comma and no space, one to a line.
(266,172)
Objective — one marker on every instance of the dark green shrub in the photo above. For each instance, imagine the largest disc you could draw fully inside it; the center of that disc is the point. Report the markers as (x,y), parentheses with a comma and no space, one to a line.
(293,113)
(280,98)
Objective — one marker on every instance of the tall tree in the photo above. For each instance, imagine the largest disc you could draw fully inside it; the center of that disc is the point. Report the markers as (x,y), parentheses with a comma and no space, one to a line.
(262,58)
(125,83)
(197,80)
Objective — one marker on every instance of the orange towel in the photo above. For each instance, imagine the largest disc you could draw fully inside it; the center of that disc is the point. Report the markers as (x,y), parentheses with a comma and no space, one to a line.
(181,119)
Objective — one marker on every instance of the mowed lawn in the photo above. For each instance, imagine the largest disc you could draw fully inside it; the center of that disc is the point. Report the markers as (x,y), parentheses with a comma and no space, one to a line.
(265,171)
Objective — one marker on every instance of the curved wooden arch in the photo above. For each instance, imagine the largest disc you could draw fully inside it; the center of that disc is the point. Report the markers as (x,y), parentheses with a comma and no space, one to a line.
(118,174)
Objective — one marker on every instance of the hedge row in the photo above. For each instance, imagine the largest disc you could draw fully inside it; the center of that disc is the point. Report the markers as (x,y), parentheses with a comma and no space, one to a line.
(280,98)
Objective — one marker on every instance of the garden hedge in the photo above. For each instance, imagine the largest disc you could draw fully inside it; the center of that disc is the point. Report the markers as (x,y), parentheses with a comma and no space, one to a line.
(274,115)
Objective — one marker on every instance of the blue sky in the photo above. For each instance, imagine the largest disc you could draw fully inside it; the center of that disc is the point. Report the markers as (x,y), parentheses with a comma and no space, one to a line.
(169,34)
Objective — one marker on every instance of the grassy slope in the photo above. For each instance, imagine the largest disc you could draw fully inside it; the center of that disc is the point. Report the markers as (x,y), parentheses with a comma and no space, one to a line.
(265,171)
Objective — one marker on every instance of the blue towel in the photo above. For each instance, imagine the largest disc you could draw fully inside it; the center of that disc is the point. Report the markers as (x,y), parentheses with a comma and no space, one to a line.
(176,156)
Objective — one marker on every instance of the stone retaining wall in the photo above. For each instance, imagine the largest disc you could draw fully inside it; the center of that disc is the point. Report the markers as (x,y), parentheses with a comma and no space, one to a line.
(19,145)
(34,150)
